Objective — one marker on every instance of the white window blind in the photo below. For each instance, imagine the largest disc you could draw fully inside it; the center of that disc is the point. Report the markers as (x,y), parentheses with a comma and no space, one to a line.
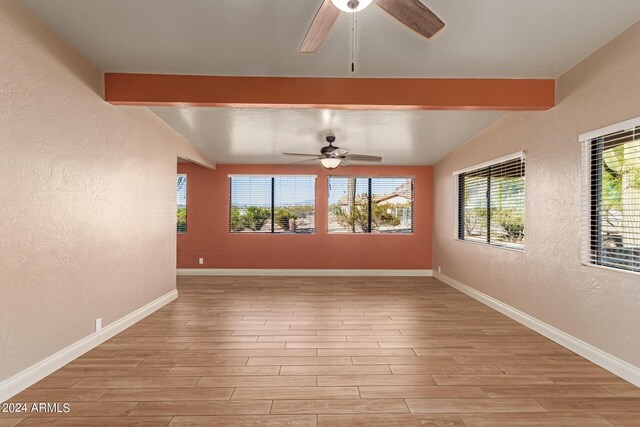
(370,205)
(611,195)
(491,204)
(181,203)
(272,204)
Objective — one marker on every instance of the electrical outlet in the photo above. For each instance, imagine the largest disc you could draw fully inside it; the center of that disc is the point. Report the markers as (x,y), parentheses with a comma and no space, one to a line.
(439,269)
(98,324)
(200,261)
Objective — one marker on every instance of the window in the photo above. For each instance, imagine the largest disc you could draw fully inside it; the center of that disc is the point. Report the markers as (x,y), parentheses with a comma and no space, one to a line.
(491,203)
(370,205)
(612,196)
(272,204)
(181,202)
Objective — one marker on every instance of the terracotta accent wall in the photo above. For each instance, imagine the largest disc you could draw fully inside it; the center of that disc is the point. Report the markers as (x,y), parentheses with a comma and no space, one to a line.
(547,280)
(208,234)
(87,199)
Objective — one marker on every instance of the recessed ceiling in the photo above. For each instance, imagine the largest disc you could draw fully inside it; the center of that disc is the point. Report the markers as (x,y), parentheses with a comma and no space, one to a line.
(482,38)
(257,135)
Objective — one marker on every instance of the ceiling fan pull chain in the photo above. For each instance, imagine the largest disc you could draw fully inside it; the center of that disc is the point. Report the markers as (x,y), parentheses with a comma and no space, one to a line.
(355,38)
(355,41)
(353,30)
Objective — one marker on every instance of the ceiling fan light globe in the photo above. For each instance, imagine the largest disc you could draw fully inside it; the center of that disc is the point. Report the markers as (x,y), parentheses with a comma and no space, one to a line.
(330,163)
(343,5)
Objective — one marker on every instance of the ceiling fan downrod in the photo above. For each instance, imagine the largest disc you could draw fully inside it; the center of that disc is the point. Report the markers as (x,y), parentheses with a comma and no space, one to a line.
(353,5)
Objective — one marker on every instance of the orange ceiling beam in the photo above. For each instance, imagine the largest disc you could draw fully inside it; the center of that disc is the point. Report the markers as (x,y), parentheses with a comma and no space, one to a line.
(341,93)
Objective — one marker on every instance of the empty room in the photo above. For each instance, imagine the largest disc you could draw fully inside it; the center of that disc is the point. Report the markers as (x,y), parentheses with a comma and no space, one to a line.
(320,213)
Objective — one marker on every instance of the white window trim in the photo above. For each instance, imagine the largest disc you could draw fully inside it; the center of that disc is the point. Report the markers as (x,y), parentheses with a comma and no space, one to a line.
(374,176)
(186,198)
(585,233)
(618,127)
(266,175)
(506,158)
(456,189)
(610,269)
(521,249)
(456,211)
(256,233)
(413,201)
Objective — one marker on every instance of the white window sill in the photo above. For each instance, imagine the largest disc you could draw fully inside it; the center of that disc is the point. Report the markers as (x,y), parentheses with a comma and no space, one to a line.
(512,248)
(612,269)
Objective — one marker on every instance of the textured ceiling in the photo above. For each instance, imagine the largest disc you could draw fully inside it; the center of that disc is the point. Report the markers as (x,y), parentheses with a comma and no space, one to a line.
(249,135)
(482,38)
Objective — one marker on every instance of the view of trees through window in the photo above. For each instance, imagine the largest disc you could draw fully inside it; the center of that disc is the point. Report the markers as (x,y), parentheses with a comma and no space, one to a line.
(491,204)
(370,205)
(181,202)
(272,204)
(615,176)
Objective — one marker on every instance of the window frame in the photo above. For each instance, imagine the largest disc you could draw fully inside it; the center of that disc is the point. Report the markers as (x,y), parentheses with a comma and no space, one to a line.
(593,146)
(186,198)
(369,231)
(272,232)
(459,210)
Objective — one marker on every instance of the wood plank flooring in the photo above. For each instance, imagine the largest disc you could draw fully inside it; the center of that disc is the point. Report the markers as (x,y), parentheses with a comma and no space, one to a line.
(274,351)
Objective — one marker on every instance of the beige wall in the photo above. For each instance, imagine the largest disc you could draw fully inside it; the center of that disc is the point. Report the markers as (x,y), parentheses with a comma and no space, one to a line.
(87,197)
(547,281)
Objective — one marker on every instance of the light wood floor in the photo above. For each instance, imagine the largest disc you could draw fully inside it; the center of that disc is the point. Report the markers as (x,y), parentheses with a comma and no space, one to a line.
(330,352)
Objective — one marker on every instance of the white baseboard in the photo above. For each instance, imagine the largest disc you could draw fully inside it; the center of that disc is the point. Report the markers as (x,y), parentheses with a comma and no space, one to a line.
(24,379)
(619,367)
(297,272)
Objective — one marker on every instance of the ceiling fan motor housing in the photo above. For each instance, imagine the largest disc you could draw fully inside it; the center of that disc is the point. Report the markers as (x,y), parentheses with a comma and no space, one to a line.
(331,156)
(329,148)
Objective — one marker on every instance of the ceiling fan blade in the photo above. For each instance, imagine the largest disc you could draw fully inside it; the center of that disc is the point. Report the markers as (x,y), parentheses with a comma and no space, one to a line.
(320,27)
(315,156)
(339,152)
(302,162)
(414,15)
(363,158)
(344,163)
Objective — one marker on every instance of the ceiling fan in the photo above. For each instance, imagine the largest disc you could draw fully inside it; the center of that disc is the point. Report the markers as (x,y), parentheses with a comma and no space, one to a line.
(331,156)
(411,13)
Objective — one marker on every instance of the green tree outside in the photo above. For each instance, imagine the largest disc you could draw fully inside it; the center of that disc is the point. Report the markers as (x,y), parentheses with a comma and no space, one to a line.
(254,218)
(182,220)
(251,218)
(621,190)
(357,218)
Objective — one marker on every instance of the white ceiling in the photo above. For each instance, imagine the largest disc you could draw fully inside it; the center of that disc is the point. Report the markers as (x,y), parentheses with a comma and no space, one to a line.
(256,135)
(482,38)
